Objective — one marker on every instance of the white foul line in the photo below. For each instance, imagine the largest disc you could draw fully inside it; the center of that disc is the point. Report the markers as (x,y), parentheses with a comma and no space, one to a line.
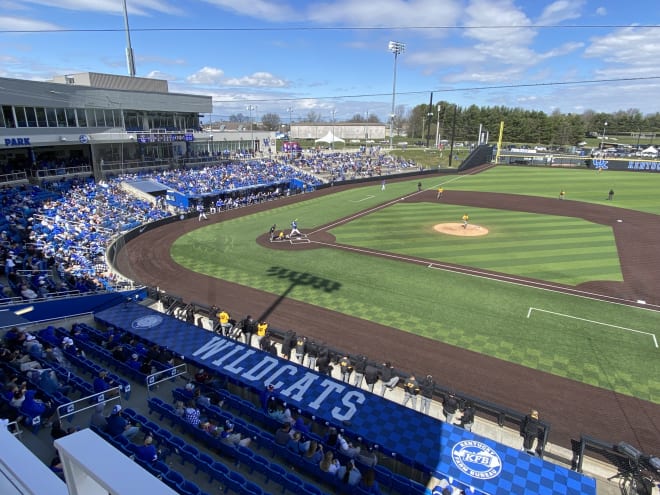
(529,312)
(363,199)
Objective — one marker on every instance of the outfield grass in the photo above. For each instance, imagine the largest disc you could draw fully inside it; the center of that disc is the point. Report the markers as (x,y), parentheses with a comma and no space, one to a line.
(633,190)
(482,315)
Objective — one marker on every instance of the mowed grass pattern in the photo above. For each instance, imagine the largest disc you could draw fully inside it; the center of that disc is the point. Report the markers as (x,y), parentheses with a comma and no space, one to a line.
(558,249)
(634,190)
(470,312)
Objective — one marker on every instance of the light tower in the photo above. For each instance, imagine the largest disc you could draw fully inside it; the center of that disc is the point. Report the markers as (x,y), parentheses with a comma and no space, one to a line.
(396,48)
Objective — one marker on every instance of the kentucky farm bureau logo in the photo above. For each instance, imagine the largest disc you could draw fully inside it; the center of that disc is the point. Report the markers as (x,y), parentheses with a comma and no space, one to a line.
(476,459)
(146,322)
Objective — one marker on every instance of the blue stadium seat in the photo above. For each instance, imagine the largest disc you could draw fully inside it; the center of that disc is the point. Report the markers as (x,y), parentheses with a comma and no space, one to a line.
(189,453)
(218,471)
(173,479)
(189,488)
(311,489)
(204,462)
(278,475)
(252,489)
(293,483)
(235,483)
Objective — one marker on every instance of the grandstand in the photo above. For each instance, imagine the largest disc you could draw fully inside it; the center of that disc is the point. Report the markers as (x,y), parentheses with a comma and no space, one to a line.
(64,204)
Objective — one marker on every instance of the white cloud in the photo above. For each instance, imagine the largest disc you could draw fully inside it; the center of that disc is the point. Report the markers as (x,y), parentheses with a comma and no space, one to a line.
(560,11)
(259,9)
(602,11)
(386,13)
(630,46)
(156,74)
(137,7)
(23,24)
(258,79)
(206,75)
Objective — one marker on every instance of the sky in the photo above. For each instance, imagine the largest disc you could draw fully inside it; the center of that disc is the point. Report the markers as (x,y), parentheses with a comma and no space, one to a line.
(331,57)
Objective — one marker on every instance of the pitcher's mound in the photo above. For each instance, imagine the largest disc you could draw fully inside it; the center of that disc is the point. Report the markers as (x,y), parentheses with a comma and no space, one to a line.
(457,229)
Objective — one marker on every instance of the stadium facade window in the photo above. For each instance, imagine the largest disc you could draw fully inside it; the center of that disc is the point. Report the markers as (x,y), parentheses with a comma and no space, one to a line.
(51,117)
(7,117)
(61,117)
(82,117)
(42,121)
(21,119)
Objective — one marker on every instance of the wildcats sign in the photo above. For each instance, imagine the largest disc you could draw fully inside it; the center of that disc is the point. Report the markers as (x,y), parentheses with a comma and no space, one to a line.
(293,383)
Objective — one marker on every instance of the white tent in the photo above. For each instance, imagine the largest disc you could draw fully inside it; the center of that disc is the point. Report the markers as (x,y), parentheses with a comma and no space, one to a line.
(330,138)
(650,151)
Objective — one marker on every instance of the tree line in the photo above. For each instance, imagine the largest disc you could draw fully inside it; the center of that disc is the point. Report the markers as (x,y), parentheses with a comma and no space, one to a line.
(424,122)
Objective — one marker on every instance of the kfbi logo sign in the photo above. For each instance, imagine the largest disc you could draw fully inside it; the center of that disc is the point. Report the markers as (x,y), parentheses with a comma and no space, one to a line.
(476,459)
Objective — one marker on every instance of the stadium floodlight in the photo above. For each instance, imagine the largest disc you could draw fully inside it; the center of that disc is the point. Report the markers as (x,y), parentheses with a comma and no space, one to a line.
(396,47)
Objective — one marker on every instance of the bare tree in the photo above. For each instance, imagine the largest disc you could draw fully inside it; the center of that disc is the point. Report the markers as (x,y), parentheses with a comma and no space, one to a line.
(313,116)
(271,121)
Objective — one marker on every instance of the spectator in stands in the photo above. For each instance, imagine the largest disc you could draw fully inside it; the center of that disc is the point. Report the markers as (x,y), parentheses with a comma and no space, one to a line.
(118,425)
(55,355)
(331,438)
(192,414)
(388,377)
(49,383)
(297,444)
(147,451)
(529,430)
(229,437)
(134,362)
(347,448)
(329,464)
(120,353)
(102,383)
(283,434)
(28,293)
(426,391)
(314,453)
(369,484)
(449,407)
(467,419)
(33,406)
(265,396)
(349,474)
(367,457)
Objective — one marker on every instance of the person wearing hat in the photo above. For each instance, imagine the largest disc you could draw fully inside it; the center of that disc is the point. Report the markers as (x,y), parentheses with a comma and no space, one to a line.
(118,425)
(530,427)
(449,407)
(134,362)
(229,437)
(426,391)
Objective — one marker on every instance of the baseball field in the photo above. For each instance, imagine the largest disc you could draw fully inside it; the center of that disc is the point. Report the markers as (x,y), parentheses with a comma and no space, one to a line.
(565,288)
